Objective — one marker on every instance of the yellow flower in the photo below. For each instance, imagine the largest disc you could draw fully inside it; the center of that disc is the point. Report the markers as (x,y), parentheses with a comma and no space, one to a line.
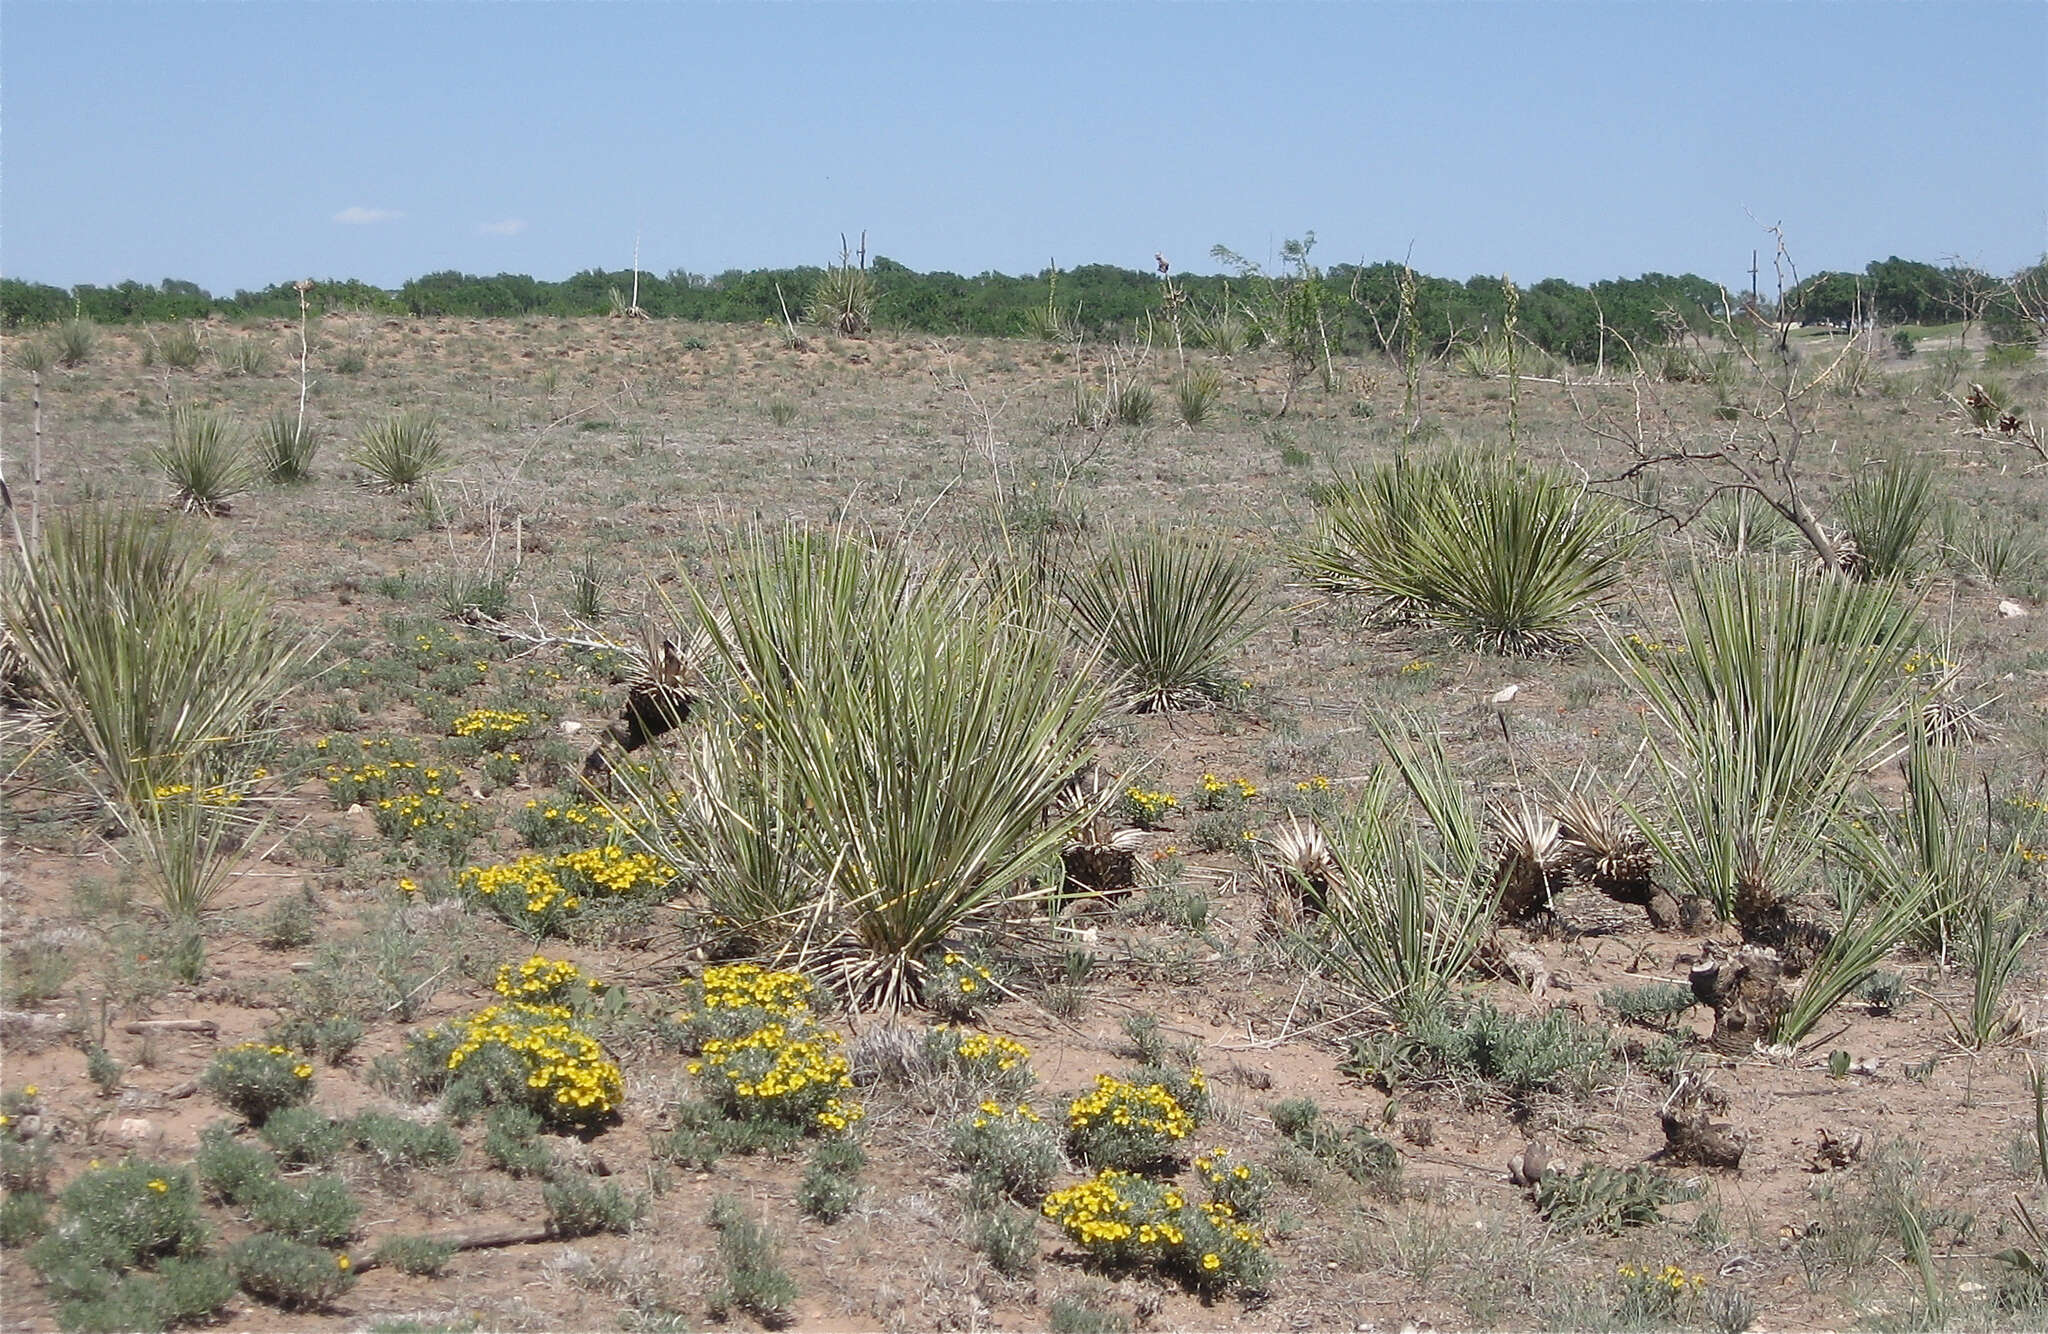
(30,1091)
(302,1070)
(159,1185)
(341,1262)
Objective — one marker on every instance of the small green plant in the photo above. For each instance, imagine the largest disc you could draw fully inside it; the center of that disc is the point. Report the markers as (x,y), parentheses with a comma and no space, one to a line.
(24,1216)
(395,1143)
(422,1257)
(287,447)
(130,1215)
(31,355)
(352,361)
(204,460)
(753,1279)
(255,1080)
(290,1274)
(1599,1198)
(512,1143)
(289,924)
(231,1170)
(1480,1044)
(578,1205)
(978,1062)
(318,1211)
(303,1136)
(831,1180)
(1006,1152)
(402,451)
(1008,1239)
(1356,1151)
(589,579)
(1653,1004)
(1169,608)
(780,411)
(102,1069)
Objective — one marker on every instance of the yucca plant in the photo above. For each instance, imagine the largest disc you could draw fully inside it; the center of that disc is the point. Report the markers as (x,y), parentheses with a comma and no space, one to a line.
(1871,926)
(74,341)
(179,347)
(402,450)
(1741,524)
(913,726)
(1132,404)
(1509,556)
(1406,911)
(843,300)
(1885,509)
(204,460)
(159,668)
(245,356)
(288,445)
(1168,607)
(1996,943)
(1784,689)
(1194,393)
(30,354)
(187,844)
(1929,839)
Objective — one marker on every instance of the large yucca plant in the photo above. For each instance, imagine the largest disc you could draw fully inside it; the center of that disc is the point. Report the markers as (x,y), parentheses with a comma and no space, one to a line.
(1784,689)
(843,299)
(288,445)
(402,451)
(205,460)
(1510,556)
(159,667)
(1168,607)
(908,730)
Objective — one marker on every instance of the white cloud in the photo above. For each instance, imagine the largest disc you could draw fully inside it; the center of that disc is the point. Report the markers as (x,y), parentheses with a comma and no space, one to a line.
(356,215)
(506,227)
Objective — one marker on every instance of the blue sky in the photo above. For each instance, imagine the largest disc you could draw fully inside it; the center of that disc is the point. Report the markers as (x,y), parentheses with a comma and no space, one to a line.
(239,144)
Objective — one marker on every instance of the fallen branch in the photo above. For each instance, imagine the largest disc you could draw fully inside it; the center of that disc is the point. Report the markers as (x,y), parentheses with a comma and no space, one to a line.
(203,1026)
(477,1239)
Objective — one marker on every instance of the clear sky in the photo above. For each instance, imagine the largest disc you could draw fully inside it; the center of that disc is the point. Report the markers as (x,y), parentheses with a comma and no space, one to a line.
(240,144)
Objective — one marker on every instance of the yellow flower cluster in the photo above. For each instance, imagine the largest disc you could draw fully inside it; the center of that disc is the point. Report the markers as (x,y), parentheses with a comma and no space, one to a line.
(220,794)
(1217,1168)
(1673,1277)
(1419,665)
(992,1114)
(1319,783)
(489,725)
(735,986)
(1148,1108)
(551,824)
(569,1079)
(1216,787)
(779,1070)
(1148,807)
(988,1049)
(537,892)
(1920,661)
(539,980)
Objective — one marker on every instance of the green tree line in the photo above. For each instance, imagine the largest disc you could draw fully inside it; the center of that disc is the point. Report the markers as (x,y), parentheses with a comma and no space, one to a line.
(1362,302)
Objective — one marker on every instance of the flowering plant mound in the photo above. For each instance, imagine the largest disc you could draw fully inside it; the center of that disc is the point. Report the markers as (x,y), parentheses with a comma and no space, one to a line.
(1125,1221)
(1651,1297)
(547,825)
(786,1072)
(492,729)
(1145,808)
(733,1000)
(256,1079)
(983,1059)
(534,1056)
(760,1053)
(544,981)
(539,893)
(1007,1151)
(1217,794)
(958,987)
(1125,1125)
